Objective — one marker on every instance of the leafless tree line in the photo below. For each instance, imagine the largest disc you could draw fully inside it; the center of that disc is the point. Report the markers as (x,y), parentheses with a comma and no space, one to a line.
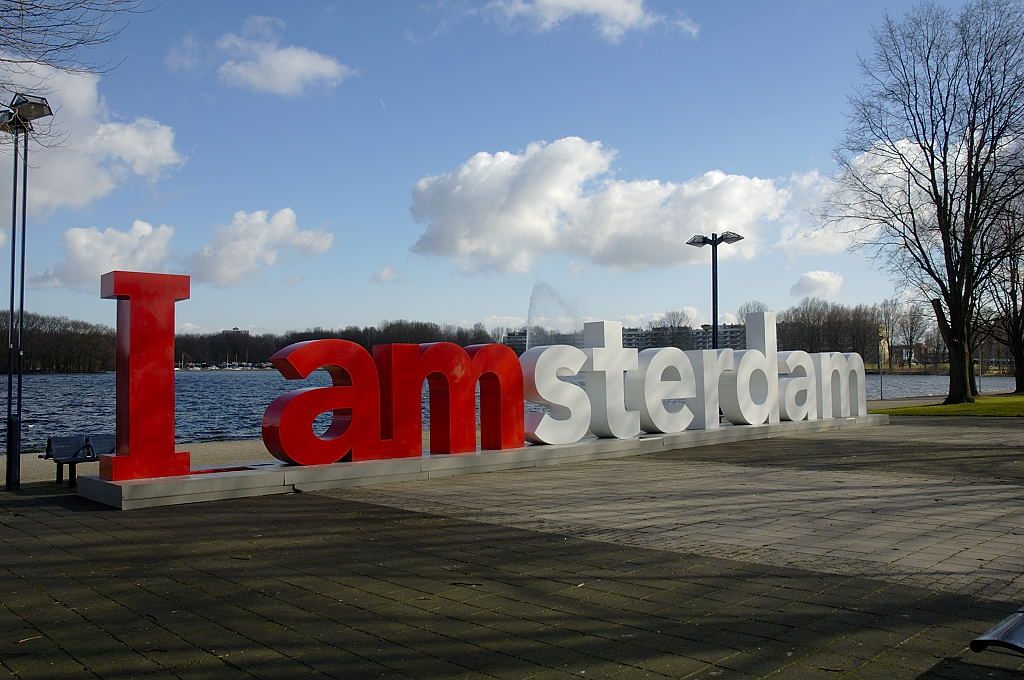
(892,330)
(57,344)
(234,346)
(60,344)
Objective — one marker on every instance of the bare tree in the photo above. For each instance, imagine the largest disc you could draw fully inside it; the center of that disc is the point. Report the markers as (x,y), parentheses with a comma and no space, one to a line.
(804,326)
(674,318)
(676,323)
(934,347)
(863,331)
(750,307)
(931,156)
(55,32)
(910,326)
(1005,296)
(888,315)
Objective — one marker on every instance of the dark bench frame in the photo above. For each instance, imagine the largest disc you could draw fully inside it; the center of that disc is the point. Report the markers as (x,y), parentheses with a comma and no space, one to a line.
(1008,634)
(71,451)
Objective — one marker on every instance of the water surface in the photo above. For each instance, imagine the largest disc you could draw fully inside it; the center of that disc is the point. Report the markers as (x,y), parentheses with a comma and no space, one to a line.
(217,405)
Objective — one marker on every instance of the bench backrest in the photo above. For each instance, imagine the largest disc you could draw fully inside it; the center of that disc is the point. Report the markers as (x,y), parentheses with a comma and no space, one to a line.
(64,447)
(78,448)
(102,443)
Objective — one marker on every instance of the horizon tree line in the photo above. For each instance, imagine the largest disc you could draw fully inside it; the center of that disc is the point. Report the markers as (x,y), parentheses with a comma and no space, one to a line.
(59,344)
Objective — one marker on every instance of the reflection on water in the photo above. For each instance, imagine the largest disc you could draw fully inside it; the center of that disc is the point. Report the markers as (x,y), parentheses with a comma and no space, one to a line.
(214,405)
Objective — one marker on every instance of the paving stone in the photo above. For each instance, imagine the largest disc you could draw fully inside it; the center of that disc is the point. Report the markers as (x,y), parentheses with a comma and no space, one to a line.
(820,556)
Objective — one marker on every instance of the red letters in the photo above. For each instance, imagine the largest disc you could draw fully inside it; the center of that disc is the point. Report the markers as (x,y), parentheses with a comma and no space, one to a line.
(373,402)
(501,396)
(145,375)
(376,413)
(353,400)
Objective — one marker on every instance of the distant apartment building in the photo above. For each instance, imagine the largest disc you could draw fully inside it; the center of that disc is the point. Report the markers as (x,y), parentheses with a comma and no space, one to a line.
(516,339)
(658,336)
(731,336)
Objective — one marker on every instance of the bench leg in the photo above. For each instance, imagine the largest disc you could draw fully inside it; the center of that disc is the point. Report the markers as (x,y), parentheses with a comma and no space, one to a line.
(60,473)
(73,475)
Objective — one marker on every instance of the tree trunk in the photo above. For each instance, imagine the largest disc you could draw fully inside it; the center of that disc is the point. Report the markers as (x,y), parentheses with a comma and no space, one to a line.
(1017,352)
(972,375)
(961,374)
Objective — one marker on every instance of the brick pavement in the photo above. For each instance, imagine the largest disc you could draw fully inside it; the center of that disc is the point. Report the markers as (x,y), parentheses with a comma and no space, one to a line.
(962,535)
(329,586)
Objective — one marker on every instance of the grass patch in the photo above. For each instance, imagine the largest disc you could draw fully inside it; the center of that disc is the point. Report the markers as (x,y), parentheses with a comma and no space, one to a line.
(997,405)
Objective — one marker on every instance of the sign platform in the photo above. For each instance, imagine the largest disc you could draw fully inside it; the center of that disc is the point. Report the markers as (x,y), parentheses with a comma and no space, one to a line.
(262,479)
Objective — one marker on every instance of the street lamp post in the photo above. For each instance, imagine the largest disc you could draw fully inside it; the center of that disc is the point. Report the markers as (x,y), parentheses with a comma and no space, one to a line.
(881,346)
(17,121)
(714,240)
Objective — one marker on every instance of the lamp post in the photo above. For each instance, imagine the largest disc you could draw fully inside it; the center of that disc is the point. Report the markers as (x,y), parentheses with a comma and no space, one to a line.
(714,240)
(881,346)
(17,121)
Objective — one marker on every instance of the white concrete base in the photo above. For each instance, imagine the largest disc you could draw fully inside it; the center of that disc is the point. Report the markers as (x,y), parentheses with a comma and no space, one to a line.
(261,479)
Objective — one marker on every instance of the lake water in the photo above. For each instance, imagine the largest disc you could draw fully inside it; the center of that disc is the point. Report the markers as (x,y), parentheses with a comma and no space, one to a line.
(216,405)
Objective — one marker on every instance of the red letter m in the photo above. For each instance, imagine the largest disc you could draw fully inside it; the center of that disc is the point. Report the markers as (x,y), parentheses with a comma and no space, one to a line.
(452,374)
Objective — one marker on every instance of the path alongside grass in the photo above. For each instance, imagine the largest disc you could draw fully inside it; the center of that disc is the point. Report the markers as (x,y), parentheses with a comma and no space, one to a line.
(990,405)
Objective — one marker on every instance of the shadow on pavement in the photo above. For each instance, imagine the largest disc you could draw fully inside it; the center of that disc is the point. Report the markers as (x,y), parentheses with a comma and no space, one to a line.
(295,586)
(960,669)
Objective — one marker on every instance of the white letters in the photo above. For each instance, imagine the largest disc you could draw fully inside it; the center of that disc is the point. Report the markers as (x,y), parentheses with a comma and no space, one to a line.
(799,395)
(665,373)
(604,372)
(625,392)
(750,392)
(840,385)
(569,419)
(708,366)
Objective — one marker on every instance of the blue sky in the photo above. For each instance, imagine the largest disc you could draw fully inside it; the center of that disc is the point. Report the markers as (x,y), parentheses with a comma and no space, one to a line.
(332,164)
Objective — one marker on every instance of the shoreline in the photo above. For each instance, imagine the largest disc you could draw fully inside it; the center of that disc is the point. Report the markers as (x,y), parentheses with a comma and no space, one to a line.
(230,452)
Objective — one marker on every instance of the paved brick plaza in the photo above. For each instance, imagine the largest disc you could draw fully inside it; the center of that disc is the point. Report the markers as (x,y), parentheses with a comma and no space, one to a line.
(873,553)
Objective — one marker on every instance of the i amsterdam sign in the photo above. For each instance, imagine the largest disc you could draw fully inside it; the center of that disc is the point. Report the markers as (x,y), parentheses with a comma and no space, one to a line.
(374,398)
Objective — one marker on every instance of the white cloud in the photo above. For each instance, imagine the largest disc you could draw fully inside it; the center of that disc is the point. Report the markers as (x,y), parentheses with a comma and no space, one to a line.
(145,145)
(257,61)
(644,319)
(685,24)
(824,220)
(385,275)
(185,55)
(90,253)
(612,17)
(85,155)
(805,231)
(646,223)
(641,319)
(189,328)
(504,321)
(237,252)
(819,284)
(500,211)
(234,254)
(559,323)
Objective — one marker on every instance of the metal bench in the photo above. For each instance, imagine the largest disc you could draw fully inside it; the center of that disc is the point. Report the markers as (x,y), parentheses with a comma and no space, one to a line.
(71,451)
(1008,633)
